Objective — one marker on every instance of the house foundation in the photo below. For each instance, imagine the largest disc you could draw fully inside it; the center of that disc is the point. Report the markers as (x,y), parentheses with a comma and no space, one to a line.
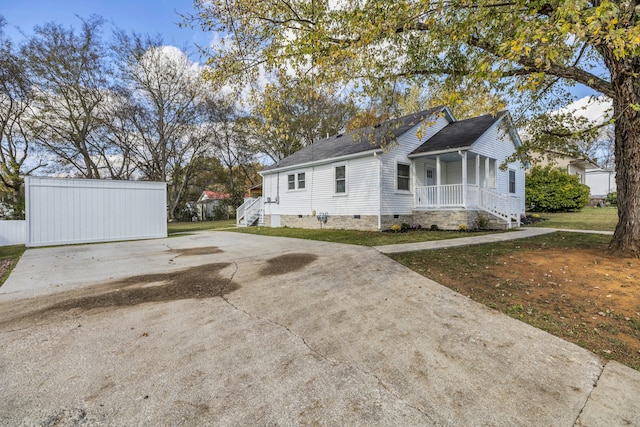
(449,219)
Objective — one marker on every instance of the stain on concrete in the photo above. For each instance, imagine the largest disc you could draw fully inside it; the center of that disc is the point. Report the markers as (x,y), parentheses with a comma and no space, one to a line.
(207,250)
(287,263)
(204,281)
(199,282)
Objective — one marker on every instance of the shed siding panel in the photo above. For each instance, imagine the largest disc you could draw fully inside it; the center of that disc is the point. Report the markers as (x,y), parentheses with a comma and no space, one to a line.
(12,232)
(64,211)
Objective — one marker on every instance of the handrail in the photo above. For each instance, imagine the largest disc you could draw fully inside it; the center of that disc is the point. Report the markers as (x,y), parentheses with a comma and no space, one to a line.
(500,205)
(245,209)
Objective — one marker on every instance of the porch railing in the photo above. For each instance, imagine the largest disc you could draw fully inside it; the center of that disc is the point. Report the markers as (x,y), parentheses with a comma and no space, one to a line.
(249,212)
(443,196)
(500,205)
(453,196)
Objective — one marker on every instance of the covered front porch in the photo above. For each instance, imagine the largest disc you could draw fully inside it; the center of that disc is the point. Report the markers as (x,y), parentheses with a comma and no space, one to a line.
(462,180)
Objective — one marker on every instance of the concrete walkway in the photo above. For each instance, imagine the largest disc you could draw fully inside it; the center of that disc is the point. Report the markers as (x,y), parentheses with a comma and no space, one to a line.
(298,333)
(475,240)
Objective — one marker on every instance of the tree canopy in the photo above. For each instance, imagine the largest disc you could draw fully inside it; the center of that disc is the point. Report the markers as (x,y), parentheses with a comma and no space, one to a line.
(522,50)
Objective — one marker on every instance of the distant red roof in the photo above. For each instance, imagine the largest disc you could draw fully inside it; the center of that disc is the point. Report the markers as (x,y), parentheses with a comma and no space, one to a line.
(214,195)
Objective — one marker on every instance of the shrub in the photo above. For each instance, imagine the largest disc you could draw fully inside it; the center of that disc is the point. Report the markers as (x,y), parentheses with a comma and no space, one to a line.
(483,222)
(416,226)
(551,189)
(395,228)
(404,226)
(463,227)
(612,199)
(434,227)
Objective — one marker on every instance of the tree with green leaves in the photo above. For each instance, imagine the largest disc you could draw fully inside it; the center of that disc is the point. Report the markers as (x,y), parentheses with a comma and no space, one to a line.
(520,49)
(292,114)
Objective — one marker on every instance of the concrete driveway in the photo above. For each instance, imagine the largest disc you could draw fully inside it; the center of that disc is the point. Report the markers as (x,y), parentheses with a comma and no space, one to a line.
(231,329)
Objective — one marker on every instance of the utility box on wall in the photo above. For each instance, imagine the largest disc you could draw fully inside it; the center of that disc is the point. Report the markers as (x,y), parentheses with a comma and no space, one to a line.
(63,211)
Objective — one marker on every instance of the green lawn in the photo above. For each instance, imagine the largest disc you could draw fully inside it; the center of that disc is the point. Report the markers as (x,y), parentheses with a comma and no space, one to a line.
(12,254)
(354,237)
(587,219)
(188,227)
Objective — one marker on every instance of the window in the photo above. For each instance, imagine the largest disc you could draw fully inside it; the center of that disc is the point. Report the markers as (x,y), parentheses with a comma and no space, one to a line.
(512,181)
(296,181)
(341,179)
(403,177)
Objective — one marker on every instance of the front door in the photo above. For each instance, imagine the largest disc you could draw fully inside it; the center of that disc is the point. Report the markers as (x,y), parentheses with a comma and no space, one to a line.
(430,176)
(430,181)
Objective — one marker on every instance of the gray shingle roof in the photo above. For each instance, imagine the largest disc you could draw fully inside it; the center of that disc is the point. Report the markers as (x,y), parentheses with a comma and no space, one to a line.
(356,141)
(458,134)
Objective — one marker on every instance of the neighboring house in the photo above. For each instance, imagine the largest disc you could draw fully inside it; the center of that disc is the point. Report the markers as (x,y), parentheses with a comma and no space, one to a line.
(425,168)
(571,164)
(208,202)
(255,191)
(601,182)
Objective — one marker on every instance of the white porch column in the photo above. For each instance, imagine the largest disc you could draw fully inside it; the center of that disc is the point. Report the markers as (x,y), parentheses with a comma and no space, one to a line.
(438,180)
(464,178)
(486,172)
(478,170)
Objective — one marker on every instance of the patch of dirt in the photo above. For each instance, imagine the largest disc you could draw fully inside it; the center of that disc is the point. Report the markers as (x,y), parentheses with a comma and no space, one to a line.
(584,296)
(6,265)
(207,250)
(589,277)
(286,263)
(198,282)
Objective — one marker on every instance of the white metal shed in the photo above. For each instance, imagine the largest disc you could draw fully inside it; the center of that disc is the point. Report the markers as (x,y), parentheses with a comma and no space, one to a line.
(67,211)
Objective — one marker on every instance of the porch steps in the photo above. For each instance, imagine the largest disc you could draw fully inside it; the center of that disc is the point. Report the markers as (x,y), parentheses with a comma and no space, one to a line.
(250,213)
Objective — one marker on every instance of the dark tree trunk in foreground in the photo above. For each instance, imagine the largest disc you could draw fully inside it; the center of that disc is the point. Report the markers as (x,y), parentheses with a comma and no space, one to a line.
(626,239)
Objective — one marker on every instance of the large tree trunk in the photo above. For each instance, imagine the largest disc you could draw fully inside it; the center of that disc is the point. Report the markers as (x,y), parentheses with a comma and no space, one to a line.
(626,239)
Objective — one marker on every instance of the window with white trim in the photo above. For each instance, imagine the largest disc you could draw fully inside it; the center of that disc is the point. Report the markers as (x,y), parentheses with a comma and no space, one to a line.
(296,181)
(512,181)
(403,176)
(340,177)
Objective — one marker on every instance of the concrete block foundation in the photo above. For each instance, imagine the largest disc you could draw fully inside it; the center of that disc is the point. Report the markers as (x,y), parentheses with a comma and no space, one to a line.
(450,219)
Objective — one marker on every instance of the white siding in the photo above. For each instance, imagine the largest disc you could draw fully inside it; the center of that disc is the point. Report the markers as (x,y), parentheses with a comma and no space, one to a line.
(361,197)
(396,202)
(13,232)
(497,143)
(63,211)
(600,182)
(452,172)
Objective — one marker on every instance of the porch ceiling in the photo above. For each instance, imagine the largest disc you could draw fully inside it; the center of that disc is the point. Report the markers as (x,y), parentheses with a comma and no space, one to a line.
(451,156)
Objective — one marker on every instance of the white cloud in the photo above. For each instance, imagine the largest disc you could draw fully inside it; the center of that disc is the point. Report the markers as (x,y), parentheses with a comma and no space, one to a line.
(595,109)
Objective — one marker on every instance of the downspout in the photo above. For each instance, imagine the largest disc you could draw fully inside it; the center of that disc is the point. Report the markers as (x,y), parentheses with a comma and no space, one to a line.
(375,155)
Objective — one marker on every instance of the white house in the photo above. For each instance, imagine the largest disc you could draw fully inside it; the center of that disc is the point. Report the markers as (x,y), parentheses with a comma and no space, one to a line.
(424,168)
(208,202)
(573,165)
(601,182)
